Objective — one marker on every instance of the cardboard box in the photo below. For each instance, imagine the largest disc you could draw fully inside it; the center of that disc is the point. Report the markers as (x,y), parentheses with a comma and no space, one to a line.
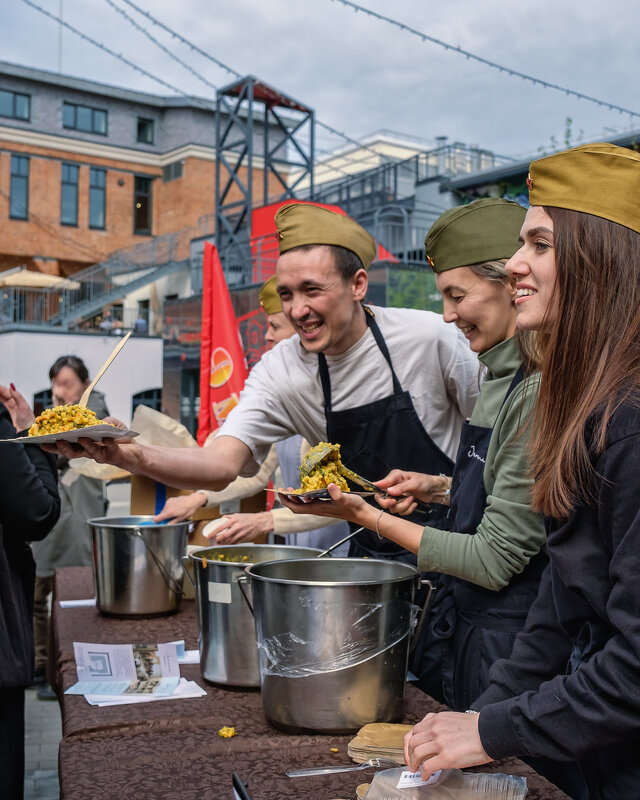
(149,497)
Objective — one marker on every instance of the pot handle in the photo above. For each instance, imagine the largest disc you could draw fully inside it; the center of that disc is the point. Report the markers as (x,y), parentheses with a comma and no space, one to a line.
(171,583)
(241,580)
(423,614)
(187,566)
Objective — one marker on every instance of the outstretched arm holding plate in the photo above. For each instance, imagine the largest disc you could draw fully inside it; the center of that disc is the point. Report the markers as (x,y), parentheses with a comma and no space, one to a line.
(184,468)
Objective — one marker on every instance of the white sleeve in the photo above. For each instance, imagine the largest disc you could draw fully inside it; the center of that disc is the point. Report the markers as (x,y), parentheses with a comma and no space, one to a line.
(286,522)
(260,419)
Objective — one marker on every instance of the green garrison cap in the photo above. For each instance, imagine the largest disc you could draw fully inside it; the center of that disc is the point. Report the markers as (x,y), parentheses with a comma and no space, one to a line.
(301,224)
(269,298)
(484,230)
(599,179)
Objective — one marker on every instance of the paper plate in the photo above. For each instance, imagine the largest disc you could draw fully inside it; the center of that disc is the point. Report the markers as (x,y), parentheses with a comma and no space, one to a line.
(315,494)
(94,432)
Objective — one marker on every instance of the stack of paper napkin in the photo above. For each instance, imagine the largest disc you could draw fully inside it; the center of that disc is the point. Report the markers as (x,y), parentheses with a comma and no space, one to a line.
(379,740)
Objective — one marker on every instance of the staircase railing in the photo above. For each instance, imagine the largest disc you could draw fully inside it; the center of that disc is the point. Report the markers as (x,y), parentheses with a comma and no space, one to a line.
(99,285)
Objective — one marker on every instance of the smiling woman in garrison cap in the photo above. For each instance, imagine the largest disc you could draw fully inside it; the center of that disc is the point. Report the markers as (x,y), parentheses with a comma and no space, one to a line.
(491,556)
(391,385)
(570,688)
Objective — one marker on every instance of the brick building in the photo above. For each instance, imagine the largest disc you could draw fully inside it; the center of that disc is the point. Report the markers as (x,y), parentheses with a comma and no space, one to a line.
(111,186)
(87,168)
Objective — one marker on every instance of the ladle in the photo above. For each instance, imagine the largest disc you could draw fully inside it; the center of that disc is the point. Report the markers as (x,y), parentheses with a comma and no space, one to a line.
(337,544)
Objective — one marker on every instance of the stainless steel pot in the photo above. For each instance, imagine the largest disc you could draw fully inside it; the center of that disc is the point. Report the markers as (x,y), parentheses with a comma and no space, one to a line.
(333,641)
(227,639)
(138,565)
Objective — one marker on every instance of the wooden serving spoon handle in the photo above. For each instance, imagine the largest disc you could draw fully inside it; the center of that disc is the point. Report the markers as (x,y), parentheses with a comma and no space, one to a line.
(85,395)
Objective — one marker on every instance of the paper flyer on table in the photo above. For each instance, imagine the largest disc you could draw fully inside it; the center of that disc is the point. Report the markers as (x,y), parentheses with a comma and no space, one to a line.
(125,669)
(185,690)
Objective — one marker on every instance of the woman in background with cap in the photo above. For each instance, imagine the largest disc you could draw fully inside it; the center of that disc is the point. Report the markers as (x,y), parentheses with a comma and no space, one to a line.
(570,688)
(492,557)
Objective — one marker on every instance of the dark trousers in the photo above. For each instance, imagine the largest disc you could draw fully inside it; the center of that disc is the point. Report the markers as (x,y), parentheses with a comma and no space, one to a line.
(41,619)
(12,744)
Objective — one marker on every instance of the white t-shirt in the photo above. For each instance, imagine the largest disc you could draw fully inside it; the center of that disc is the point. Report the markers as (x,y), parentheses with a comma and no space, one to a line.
(433,362)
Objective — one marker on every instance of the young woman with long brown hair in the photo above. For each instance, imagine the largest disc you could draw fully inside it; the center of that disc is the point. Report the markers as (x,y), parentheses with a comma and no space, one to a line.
(569,691)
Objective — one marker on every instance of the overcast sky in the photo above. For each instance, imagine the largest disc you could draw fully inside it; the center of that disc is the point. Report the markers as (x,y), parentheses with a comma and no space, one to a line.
(360,74)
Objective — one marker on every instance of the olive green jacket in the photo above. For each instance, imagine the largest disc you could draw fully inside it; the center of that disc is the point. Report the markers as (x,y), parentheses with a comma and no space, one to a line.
(510,532)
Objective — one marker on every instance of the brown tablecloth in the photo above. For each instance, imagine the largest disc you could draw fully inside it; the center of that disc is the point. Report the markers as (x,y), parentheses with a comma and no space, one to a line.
(171,749)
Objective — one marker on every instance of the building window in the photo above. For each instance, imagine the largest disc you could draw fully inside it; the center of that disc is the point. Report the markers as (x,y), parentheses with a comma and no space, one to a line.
(19,205)
(69,195)
(141,325)
(84,118)
(172,171)
(15,105)
(42,400)
(142,205)
(152,398)
(190,399)
(145,130)
(97,197)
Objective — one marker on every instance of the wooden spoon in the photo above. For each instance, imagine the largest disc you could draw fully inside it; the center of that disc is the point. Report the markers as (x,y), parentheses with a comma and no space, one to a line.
(85,395)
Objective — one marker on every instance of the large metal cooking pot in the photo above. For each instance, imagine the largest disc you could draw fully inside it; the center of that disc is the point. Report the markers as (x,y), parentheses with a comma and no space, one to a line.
(227,640)
(333,641)
(138,565)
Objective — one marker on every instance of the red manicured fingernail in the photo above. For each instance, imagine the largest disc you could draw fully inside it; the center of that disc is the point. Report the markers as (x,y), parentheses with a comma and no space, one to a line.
(13,388)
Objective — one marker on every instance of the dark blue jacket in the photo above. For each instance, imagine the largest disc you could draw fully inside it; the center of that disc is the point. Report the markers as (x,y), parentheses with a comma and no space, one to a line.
(571,688)
(29,507)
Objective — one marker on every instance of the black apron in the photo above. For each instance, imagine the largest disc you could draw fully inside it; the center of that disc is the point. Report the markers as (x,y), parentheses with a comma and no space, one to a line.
(378,437)
(471,627)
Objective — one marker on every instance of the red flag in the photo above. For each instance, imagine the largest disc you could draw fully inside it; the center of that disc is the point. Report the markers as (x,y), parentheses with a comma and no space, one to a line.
(223,369)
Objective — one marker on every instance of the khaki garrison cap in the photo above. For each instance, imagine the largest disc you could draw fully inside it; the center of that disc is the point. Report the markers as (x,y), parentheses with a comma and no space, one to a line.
(269,298)
(484,230)
(300,224)
(599,179)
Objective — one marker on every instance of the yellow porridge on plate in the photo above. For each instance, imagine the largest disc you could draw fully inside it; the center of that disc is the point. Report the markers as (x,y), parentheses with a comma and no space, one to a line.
(329,470)
(64,418)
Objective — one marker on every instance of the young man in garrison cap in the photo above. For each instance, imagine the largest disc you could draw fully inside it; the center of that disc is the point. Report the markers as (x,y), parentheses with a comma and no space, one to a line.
(391,386)
(282,464)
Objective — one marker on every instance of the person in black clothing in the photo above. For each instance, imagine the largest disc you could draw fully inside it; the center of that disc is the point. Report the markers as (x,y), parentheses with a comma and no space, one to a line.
(29,507)
(570,690)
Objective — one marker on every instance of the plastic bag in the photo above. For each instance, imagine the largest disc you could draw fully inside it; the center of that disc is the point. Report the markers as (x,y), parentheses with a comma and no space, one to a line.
(450,784)
(343,638)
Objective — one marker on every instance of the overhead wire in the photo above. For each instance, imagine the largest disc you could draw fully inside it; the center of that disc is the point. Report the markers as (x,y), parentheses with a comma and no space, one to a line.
(231,70)
(158,44)
(176,89)
(111,52)
(425,37)
(167,51)
(161,81)
(350,158)
(182,39)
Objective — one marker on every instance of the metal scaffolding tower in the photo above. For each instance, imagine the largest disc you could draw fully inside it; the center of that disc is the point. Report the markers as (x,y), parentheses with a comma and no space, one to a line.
(259,130)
